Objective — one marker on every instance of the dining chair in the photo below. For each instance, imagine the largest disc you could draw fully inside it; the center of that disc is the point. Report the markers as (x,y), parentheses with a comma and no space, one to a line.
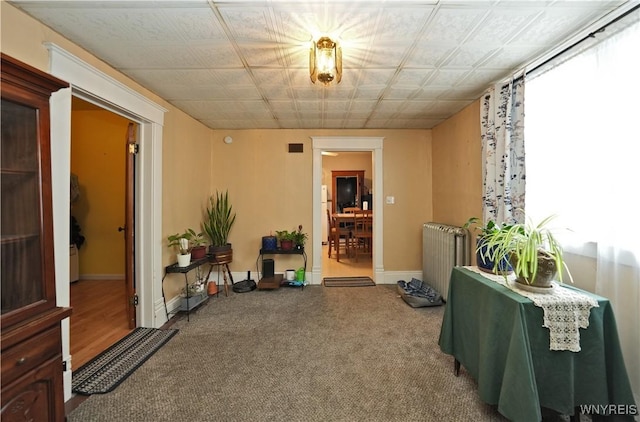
(340,237)
(331,233)
(362,233)
(349,224)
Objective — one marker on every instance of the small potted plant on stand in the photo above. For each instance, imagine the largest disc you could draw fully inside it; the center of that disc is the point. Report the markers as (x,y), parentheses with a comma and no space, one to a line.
(219,220)
(532,250)
(482,256)
(183,244)
(199,248)
(299,238)
(286,239)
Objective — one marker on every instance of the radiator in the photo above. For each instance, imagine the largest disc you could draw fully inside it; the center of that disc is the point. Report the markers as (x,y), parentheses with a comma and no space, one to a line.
(443,247)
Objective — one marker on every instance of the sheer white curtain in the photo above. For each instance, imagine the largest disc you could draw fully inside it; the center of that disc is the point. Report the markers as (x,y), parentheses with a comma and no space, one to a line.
(582,129)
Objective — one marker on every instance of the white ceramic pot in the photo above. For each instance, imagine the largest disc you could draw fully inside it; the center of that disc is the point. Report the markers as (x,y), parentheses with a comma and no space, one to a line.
(290,275)
(184,260)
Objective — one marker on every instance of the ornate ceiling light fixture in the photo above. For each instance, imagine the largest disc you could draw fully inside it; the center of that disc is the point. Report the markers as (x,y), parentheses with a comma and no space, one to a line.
(325,62)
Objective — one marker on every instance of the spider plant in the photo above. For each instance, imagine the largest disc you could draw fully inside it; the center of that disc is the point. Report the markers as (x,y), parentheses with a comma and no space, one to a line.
(532,249)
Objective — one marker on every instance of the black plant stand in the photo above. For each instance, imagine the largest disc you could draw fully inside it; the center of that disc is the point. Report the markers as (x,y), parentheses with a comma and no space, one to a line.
(275,282)
(174,268)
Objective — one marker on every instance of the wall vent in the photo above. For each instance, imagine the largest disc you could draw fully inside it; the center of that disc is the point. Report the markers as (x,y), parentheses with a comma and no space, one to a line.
(296,148)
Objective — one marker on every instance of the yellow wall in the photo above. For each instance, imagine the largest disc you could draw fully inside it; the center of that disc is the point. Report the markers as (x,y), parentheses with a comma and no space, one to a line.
(186,183)
(97,158)
(457,169)
(407,177)
(271,189)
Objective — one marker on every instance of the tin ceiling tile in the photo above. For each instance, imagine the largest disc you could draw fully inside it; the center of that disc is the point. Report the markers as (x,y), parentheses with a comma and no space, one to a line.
(245,63)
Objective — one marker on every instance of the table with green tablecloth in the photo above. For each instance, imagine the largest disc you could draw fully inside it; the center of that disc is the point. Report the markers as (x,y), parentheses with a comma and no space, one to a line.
(498,337)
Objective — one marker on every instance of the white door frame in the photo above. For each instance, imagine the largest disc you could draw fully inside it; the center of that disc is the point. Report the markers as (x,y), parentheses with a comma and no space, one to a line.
(94,86)
(347,143)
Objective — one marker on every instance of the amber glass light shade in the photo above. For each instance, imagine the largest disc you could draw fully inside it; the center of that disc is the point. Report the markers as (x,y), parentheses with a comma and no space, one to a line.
(325,62)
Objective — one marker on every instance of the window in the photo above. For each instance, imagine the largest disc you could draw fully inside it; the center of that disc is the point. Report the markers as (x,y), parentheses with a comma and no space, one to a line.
(582,142)
(582,146)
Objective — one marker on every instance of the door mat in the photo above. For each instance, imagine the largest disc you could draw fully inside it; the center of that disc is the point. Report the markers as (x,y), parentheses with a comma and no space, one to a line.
(348,282)
(107,370)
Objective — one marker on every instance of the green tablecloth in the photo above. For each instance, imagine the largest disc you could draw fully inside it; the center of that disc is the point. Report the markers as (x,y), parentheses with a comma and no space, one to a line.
(497,335)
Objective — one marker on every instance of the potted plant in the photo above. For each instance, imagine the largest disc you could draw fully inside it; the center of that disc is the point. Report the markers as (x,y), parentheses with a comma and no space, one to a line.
(482,256)
(198,242)
(76,233)
(286,239)
(299,238)
(533,251)
(219,220)
(182,242)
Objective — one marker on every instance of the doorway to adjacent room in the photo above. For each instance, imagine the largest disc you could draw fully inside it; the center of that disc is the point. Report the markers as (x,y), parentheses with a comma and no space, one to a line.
(347,176)
(372,146)
(92,85)
(99,293)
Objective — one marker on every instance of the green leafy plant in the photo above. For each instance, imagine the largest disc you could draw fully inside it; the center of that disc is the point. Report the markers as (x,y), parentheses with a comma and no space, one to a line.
(76,233)
(219,219)
(526,245)
(285,235)
(197,239)
(181,241)
(186,241)
(485,230)
(482,256)
(296,237)
(490,228)
(299,237)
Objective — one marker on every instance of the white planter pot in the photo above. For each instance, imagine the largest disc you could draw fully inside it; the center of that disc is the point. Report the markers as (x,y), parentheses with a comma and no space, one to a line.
(184,260)
(290,275)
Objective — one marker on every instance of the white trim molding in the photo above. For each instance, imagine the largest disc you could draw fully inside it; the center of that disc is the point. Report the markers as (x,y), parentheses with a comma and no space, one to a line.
(348,143)
(98,88)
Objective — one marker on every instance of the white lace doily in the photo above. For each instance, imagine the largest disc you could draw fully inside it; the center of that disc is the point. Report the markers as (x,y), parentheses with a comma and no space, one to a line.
(565,310)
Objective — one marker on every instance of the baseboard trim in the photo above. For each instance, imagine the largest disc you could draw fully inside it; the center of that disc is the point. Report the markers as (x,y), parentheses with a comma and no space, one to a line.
(392,277)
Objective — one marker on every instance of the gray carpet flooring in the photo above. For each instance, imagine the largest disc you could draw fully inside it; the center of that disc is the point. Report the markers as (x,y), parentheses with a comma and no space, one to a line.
(318,354)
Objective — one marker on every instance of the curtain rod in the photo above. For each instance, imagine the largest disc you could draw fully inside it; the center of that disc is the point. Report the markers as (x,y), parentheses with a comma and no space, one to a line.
(575,44)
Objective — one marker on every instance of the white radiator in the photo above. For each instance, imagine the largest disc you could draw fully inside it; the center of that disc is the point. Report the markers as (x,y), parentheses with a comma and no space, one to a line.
(443,247)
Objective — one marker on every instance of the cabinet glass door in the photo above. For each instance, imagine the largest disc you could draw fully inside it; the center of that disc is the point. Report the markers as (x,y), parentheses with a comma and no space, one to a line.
(21,219)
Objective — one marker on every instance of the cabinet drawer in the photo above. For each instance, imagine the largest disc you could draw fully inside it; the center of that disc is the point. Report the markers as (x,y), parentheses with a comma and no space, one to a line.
(30,353)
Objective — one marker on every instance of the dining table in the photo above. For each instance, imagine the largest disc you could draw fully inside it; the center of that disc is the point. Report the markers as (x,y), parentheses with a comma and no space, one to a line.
(343,222)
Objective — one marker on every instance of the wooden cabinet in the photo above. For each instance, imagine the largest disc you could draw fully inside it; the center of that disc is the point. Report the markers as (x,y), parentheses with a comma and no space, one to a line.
(31,360)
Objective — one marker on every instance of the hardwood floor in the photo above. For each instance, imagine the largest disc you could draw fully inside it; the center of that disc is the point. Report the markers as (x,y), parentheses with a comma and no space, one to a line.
(99,318)
(347,267)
